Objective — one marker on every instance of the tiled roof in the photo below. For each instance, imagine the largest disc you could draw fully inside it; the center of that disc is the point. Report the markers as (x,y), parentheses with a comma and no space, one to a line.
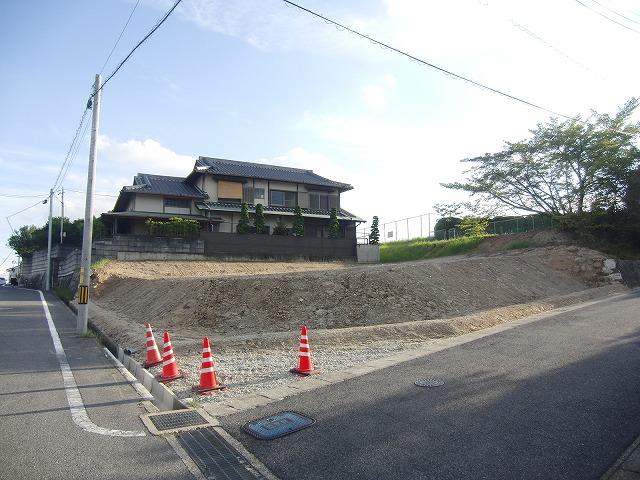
(164,185)
(233,168)
(235,207)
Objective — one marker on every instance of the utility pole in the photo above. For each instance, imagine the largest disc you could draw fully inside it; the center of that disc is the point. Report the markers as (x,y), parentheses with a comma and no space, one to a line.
(85,268)
(62,217)
(47,287)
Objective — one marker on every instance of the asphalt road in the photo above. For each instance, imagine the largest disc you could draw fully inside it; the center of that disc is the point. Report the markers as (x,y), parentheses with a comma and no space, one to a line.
(38,437)
(558,398)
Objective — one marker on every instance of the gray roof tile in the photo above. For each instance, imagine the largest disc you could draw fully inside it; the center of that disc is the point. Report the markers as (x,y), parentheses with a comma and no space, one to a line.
(233,168)
(164,185)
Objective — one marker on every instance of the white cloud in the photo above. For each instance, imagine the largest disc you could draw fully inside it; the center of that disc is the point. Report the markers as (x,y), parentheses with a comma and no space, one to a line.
(144,156)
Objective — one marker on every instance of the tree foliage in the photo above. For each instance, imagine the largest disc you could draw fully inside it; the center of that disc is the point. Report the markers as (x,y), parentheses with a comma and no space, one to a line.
(374,233)
(174,227)
(258,220)
(243,223)
(563,168)
(334,224)
(298,223)
(29,238)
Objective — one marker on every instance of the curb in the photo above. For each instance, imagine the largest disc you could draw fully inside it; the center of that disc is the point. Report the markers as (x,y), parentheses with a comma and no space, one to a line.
(163,398)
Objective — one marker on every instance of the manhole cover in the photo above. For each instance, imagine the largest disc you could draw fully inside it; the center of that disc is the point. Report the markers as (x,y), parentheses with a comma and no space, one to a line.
(277,425)
(429,382)
(177,419)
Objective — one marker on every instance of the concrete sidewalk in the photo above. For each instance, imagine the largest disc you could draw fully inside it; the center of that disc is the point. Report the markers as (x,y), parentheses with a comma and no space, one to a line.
(35,417)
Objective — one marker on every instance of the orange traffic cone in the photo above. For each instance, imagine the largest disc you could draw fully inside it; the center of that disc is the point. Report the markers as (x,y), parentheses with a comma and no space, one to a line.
(208,378)
(153,355)
(169,366)
(305,365)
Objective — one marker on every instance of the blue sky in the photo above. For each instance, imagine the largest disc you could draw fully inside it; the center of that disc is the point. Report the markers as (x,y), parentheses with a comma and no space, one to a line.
(256,80)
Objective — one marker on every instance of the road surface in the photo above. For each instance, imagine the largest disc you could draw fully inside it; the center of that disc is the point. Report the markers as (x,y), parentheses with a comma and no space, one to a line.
(558,398)
(39,437)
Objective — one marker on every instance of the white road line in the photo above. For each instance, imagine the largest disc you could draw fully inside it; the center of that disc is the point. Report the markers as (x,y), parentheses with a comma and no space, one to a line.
(78,412)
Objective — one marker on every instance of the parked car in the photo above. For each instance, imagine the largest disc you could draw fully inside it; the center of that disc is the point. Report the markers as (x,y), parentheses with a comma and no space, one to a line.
(3,281)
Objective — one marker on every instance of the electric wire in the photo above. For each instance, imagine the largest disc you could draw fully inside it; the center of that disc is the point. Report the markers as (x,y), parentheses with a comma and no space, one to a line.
(616,13)
(144,39)
(39,202)
(608,18)
(74,153)
(57,182)
(436,67)
(119,36)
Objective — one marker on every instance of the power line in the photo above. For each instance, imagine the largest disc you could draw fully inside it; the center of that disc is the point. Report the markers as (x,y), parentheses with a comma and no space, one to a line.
(56,184)
(608,18)
(10,195)
(74,154)
(5,259)
(98,194)
(23,210)
(119,36)
(111,75)
(436,67)
(616,13)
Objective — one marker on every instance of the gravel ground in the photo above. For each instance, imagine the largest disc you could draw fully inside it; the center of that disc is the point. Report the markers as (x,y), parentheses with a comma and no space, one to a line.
(248,371)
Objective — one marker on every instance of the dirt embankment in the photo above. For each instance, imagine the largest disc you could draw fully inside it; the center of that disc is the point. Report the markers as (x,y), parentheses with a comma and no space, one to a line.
(243,299)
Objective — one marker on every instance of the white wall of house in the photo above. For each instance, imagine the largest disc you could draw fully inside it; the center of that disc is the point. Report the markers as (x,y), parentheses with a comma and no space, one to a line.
(179,211)
(149,203)
(211,187)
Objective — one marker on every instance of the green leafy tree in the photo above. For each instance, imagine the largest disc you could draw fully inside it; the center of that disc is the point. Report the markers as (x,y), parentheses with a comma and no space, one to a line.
(334,224)
(280,229)
(563,168)
(298,223)
(258,220)
(474,226)
(374,234)
(243,223)
(30,238)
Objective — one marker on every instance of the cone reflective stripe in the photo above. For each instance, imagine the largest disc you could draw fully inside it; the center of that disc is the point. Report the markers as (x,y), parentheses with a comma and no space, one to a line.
(169,366)
(305,365)
(153,354)
(208,378)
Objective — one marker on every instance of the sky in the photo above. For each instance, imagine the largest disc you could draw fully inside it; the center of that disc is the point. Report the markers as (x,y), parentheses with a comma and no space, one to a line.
(260,81)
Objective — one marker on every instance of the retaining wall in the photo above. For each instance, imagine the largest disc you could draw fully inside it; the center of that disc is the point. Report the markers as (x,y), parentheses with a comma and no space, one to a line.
(137,247)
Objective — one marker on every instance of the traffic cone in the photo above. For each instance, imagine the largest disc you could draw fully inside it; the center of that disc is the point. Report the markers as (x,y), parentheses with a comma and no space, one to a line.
(305,365)
(208,378)
(153,355)
(169,366)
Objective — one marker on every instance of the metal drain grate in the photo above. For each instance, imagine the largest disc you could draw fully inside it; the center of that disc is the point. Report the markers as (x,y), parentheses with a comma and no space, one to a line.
(177,419)
(429,382)
(277,425)
(215,457)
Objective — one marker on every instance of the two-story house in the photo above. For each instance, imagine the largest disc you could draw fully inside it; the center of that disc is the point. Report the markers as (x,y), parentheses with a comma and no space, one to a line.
(214,191)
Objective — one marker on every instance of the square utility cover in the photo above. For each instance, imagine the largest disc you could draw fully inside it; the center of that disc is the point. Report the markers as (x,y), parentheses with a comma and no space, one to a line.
(277,425)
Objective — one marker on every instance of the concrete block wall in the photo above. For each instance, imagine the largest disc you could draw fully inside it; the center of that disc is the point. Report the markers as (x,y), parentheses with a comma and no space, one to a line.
(133,247)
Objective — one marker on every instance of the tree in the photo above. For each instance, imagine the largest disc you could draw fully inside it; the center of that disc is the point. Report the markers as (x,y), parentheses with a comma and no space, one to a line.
(374,234)
(563,168)
(474,226)
(30,238)
(334,224)
(243,223)
(298,223)
(280,228)
(258,220)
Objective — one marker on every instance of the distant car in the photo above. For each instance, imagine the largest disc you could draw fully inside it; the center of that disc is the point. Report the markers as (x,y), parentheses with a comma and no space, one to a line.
(3,281)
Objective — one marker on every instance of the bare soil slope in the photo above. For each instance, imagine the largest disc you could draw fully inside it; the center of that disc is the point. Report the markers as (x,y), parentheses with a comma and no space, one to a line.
(236,302)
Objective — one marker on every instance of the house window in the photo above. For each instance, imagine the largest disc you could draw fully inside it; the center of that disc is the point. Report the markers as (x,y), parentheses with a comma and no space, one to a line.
(177,202)
(280,198)
(258,193)
(318,201)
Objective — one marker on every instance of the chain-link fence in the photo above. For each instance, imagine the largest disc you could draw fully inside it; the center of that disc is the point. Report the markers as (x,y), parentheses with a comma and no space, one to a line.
(422,226)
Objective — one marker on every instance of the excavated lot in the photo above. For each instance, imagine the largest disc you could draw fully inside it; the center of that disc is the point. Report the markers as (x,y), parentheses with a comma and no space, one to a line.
(252,311)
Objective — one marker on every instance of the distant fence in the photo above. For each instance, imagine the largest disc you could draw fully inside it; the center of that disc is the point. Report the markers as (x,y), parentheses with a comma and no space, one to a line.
(421,226)
(217,244)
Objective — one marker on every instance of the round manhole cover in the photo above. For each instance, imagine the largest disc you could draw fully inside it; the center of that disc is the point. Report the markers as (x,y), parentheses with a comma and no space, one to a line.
(429,382)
